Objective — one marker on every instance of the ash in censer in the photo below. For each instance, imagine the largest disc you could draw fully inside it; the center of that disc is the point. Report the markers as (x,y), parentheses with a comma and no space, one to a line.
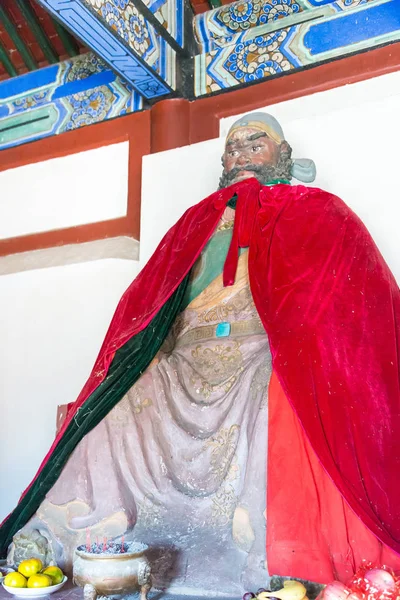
(113,548)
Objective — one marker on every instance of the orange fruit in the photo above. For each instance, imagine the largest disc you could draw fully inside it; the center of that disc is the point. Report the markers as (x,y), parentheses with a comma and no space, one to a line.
(55,573)
(15,580)
(30,567)
(39,581)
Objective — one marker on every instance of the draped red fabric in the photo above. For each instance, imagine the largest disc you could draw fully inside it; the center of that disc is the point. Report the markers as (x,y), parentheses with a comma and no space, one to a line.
(312,533)
(331,309)
(247,207)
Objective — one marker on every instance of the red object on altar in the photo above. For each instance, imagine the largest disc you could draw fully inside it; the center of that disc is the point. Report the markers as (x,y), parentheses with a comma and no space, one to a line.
(370,582)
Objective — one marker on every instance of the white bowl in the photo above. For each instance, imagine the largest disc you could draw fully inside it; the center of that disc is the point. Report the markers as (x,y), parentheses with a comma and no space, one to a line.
(35,592)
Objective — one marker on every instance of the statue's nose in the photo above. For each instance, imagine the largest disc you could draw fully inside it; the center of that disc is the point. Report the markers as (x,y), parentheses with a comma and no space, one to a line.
(243,159)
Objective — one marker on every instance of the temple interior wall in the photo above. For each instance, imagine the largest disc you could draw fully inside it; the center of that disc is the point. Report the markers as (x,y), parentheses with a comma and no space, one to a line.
(52,324)
(53,320)
(81,188)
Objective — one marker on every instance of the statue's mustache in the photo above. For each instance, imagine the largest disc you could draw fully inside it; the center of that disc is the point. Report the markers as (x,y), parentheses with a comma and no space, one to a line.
(264,173)
(253,168)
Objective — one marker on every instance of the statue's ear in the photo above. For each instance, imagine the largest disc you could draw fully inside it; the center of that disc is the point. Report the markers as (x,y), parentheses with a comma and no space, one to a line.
(285,147)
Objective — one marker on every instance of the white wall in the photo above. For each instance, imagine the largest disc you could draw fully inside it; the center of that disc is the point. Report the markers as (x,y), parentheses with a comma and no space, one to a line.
(351,132)
(86,187)
(52,323)
(184,177)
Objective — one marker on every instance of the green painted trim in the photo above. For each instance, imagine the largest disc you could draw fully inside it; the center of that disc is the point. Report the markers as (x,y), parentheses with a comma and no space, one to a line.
(5,59)
(278,181)
(211,264)
(19,43)
(68,41)
(34,24)
(215,3)
(28,125)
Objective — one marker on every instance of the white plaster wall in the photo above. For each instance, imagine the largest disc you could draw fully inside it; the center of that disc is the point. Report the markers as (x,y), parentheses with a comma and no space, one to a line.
(52,323)
(351,132)
(86,187)
(184,177)
(53,320)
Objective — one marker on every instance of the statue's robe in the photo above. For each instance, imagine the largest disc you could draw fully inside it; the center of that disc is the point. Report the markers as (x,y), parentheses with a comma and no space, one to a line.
(179,462)
(330,307)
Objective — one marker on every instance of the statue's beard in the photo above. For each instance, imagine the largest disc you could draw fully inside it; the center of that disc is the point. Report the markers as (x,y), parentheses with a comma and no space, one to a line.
(264,173)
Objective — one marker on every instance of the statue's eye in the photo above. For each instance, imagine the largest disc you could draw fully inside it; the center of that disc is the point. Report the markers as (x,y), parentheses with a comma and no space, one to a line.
(233,153)
(256,148)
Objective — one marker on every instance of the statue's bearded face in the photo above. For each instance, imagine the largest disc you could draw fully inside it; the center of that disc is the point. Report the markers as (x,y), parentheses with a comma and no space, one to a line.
(249,152)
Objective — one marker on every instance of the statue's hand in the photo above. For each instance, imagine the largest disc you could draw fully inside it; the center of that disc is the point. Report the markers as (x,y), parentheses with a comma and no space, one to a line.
(242,530)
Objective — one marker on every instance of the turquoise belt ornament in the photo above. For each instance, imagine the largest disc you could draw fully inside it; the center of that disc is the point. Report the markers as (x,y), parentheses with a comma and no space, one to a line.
(212,332)
(223,329)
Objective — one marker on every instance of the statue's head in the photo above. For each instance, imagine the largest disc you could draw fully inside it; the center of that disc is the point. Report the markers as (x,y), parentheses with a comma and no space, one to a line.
(256,147)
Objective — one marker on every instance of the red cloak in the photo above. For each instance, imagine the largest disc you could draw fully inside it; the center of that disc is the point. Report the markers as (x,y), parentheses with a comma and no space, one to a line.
(331,309)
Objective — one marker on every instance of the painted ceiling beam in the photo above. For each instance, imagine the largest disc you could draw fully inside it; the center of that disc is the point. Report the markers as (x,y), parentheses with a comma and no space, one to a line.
(124,39)
(246,42)
(175,16)
(174,38)
(78,92)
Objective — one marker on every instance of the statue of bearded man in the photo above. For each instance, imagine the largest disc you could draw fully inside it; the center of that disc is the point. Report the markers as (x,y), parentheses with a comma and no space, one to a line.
(231,380)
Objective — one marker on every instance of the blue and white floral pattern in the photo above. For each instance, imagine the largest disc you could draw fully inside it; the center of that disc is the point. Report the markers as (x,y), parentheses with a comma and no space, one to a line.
(89,107)
(84,66)
(128,23)
(29,102)
(258,58)
(343,4)
(115,20)
(240,16)
(278,9)
(121,4)
(138,33)
(123,17)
